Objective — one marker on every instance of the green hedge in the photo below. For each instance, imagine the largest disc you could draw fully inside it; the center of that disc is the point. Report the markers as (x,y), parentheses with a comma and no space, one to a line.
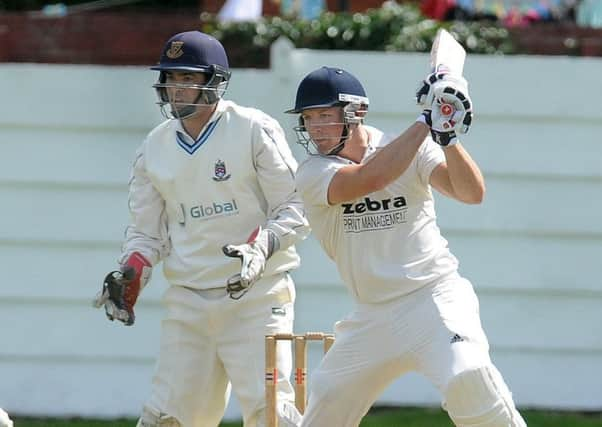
(393,27)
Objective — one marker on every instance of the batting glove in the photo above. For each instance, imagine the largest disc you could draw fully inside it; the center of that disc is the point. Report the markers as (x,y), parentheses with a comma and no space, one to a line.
(121,288)
(253,256)
(445,139)
(425,94)
(451,110)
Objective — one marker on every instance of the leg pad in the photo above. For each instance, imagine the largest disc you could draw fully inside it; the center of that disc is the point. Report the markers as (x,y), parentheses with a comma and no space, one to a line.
(152,418)
(479,398)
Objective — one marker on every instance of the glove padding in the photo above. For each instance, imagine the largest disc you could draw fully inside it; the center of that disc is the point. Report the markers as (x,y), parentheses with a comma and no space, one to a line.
(425,94)
(443,138)
(449,94)
(451,110)
(253,256)
(449,114)
(121,288)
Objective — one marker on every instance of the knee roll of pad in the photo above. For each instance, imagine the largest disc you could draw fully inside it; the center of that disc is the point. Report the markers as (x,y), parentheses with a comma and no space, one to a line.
(152,418)
(480,398)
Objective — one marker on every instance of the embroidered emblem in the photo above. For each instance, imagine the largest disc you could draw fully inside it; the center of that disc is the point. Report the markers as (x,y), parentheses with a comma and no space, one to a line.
(175,50)
(220,171)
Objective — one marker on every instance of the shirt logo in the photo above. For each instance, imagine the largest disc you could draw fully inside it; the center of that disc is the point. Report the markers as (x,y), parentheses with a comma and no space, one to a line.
(374,215)
(220,173)
(213,210)
(175,50)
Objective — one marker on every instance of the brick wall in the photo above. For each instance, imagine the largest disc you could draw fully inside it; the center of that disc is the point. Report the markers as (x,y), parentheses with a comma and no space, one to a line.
(98,38)
(137,38)
(558,39)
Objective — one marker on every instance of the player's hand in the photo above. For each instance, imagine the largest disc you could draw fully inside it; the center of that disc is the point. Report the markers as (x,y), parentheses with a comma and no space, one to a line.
(449,114)
(425,94)
(451,110)
(253,256)
(442,131)
(121,288)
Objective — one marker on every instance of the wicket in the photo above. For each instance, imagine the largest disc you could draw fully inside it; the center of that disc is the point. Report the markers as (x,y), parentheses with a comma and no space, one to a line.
(271,371)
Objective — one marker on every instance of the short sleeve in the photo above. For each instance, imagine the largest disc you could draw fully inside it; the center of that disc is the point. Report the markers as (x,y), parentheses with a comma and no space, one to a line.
(430,155)
(313,179)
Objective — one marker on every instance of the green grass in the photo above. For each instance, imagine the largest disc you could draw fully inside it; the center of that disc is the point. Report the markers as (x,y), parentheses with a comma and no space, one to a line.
(380,417)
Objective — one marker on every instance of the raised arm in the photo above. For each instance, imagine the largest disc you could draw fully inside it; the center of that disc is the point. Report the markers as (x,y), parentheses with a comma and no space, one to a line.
(459,177)
(354,181)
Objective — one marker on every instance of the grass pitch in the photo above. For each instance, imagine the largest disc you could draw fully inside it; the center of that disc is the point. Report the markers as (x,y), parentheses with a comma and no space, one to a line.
(378,417)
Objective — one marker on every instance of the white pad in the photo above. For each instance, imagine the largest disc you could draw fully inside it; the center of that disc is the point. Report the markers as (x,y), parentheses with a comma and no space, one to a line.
(152,418)
(458,83)
(287,413)
(5,420)
(480,398)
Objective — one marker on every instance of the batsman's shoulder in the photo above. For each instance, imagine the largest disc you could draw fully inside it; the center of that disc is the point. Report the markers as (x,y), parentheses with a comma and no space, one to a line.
(314,168)
(303,172)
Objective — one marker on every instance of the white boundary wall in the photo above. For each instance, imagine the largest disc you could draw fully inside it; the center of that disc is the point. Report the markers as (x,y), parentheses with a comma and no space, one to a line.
(533,249)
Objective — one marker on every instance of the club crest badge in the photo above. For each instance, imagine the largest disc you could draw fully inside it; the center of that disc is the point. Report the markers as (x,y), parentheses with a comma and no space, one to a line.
(220,173)
(175,50)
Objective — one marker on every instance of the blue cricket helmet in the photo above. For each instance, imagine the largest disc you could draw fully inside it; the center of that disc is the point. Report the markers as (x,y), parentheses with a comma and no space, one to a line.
(192,51)
(197,52)
(328,87)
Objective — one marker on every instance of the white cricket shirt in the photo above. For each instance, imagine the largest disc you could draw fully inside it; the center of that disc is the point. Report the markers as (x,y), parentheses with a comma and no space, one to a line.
(189,197)
(386,244)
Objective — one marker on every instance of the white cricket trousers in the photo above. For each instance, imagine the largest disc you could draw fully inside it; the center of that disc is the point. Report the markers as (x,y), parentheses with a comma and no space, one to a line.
(435,331)
(210,342)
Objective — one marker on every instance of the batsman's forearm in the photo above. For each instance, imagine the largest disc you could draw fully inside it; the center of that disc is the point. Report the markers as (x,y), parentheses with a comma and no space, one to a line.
(358,180)
(464,174)
(393,160)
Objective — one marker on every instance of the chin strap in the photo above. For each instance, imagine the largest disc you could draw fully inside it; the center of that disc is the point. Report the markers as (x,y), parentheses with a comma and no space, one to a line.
(339,147)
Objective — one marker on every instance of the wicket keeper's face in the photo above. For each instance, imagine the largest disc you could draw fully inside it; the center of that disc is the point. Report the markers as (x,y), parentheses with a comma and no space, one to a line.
(324,126)
(184,87)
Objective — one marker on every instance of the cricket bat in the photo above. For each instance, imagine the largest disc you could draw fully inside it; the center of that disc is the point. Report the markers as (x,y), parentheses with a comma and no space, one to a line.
(447,52)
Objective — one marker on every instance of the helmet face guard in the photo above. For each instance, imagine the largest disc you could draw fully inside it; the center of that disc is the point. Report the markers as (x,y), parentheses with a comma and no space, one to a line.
(208,93)
(353,113)
(192,52)
(324,88)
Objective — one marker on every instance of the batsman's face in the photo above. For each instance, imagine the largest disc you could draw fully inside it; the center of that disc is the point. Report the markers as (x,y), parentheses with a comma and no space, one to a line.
(324,126)
(183,88)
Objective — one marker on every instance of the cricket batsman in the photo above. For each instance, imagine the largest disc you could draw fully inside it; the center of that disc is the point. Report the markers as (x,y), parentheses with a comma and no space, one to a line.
(212,195)
(370,203)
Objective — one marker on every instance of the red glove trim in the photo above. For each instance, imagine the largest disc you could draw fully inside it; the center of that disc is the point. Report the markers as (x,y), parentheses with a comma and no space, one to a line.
(132,290)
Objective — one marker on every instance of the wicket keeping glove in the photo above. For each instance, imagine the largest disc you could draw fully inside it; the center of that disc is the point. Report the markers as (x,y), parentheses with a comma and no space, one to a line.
(253,256)
(121,288)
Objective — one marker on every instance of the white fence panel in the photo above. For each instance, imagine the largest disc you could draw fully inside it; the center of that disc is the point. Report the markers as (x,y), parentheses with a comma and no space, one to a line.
(532,249)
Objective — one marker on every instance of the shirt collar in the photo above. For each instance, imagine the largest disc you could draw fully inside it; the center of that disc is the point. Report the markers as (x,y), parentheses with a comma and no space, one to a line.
(221,107)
